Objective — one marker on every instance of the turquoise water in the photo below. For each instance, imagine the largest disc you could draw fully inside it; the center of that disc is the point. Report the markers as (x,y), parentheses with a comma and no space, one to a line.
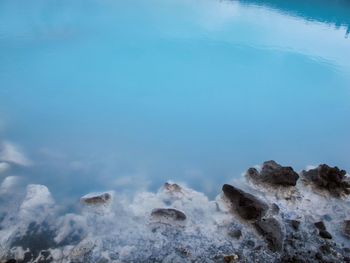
(129,94)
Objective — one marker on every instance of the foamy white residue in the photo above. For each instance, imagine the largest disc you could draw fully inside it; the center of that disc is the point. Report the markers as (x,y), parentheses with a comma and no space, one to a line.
(123,229)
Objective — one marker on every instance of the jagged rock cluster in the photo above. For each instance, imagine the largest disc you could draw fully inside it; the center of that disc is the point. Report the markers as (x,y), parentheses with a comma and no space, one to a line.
(278,215)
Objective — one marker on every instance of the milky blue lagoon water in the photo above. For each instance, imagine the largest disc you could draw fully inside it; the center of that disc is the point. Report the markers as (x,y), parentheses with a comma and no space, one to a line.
(125,95)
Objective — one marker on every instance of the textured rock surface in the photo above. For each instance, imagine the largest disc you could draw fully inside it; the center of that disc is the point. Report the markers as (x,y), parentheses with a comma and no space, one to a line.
(272,231)
(96,199)
(246,205)
(168,213)
(330,178)
(275,174)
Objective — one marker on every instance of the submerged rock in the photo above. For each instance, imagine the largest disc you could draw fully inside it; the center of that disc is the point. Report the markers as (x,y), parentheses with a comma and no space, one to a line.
(96,199)
(272,232)
(168,214)
(330,178)
(274,174)
(246,205)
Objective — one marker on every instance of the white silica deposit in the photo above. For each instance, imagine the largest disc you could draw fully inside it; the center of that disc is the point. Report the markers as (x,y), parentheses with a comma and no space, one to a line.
(174,224)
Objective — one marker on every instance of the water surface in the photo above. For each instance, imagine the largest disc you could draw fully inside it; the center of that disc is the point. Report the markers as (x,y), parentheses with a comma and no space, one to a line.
(129,94)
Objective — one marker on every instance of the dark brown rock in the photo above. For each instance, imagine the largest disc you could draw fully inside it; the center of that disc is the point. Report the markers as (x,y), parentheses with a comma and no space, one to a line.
(325,234)
(330,178)
(323,230)
(230,258)
(245,205)
(295,224)
(96,200)
(168,213)
(320,225)
(274,174)
(271,230)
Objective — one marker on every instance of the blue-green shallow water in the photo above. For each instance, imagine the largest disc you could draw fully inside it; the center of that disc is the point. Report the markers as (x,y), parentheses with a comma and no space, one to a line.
(129,94)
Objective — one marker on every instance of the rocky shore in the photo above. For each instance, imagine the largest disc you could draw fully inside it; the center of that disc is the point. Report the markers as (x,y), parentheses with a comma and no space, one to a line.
(274,214)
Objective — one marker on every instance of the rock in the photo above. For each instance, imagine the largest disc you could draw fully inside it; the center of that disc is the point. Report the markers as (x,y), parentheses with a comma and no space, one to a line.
(96,199)
(274,174)
(346,228)
(246,205)
(330,178)
(236,233)
(295,224)
(230,258)
(275,209)
(318,256)
(320,225)
(271,230)
(168,213)
(11,261)
(325,234)
(322,230)
(172,187)
(325,249)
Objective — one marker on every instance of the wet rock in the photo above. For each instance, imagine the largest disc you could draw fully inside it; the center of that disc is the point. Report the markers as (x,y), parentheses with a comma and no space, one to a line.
(246,205)
(169,214)
(320,225)
(230,258)
(325,249)
(295,224)
(325,234)
(293,259)
(318,256)
(330,178)
(272,231)
(346,228)
(274,174)
(96,199)
(323,230)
